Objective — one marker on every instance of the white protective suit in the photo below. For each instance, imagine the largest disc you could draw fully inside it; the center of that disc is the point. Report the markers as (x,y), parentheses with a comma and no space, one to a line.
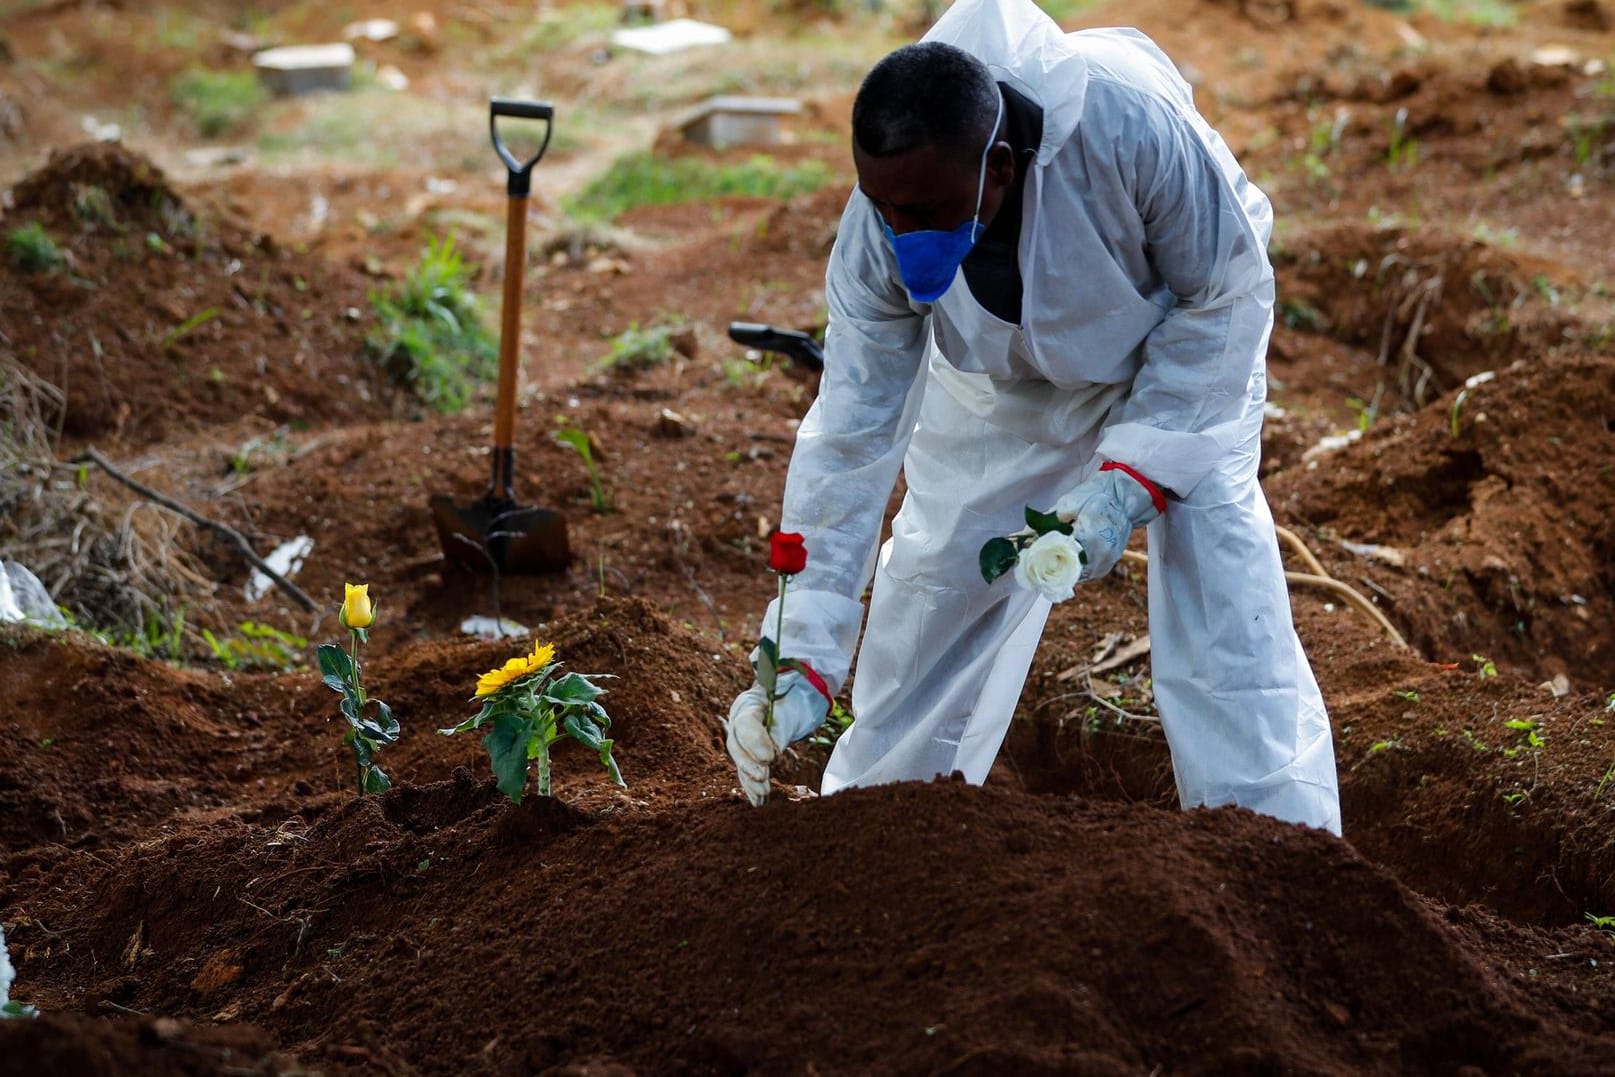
(1146,311)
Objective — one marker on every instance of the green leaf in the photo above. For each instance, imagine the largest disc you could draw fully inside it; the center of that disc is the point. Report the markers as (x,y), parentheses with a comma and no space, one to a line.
(573,688)
(507,744)
(1044,522)
(767,664)
(384,727)
(375,781)
(584,732)
(998,556)
(336,666)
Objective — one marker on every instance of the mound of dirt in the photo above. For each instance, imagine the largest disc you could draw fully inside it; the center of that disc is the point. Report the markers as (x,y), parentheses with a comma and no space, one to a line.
(1497,507)
(194,745)
(1433,307)
(64,1045)
(160,319)
(905,929)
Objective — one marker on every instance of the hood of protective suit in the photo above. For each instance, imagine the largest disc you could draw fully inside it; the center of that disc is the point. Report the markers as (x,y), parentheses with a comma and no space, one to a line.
(1022,46)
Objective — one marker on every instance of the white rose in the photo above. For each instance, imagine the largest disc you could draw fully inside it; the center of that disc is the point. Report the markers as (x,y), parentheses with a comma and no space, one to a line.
(1051,566)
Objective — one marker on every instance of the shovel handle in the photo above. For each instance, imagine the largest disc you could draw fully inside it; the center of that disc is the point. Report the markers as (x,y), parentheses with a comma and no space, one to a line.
(520,181)
(518,187)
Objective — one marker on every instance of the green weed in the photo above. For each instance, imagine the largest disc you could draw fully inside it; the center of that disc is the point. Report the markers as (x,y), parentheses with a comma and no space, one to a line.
(1484,667)
(217,102)
(196,320)
(1403,151)
(30,248)
(579,441)
(643,179)
(430,337)
(92,205)
(1474,12)
(257,647)
(835,723)
(641,349)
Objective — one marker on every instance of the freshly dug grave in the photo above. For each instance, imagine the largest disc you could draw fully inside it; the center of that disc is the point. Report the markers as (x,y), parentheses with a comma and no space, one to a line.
(907,929)
(1496,507)
(164,319)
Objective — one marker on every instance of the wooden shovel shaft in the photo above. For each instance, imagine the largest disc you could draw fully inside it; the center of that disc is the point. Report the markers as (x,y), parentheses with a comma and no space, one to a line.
(510,323)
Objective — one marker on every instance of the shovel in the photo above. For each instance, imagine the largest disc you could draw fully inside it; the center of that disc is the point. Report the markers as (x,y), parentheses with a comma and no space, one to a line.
(495,533)
(787,342)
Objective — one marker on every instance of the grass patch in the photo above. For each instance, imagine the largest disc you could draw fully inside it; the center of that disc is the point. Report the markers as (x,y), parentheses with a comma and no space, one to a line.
(641,349)
(217,102)
(1473,12)
(431,338)
(643,179)
(30,248)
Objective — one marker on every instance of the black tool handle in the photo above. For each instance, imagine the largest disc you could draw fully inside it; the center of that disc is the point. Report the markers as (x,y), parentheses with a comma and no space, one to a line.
(798,346)
(520,182)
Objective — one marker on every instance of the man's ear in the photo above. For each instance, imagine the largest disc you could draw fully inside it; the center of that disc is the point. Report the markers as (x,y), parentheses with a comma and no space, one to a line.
(1001,165)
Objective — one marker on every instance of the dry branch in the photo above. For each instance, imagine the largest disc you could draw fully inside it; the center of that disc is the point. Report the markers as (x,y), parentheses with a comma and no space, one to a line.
(230,534)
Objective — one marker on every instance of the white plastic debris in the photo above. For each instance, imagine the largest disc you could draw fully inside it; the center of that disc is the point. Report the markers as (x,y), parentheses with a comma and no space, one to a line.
(392,78)
(675,35)
(1332,443)
(7,975)
(23,598)
(1271,410)
(285,559)
(1555,56)
(1558,687)
(101,132)
(491,628)
(370,30)
(10,612)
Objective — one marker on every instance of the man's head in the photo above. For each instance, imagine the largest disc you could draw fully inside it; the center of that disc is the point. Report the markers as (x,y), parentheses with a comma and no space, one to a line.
(921,120)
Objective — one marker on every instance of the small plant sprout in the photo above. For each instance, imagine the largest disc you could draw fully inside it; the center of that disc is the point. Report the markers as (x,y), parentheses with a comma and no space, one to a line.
(1606,924)
(1484,667)
(341,669)
(581,443)
(530,705)
(1403,151)
(31,249)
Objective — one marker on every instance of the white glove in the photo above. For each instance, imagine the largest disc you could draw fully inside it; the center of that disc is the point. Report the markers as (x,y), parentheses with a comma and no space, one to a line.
(797,713)
(1104,510)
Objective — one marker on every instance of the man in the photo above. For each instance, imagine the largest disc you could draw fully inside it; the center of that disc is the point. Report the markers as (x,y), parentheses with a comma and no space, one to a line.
(1050,288)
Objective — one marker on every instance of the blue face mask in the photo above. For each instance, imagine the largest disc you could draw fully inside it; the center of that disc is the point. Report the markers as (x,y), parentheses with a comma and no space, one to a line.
(928,260)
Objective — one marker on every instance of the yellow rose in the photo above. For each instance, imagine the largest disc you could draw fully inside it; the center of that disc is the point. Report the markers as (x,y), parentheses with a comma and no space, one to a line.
(357,612)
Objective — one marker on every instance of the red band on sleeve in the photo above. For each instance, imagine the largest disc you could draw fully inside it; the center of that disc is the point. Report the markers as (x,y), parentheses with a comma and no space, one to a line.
(1156,496)
(811,675)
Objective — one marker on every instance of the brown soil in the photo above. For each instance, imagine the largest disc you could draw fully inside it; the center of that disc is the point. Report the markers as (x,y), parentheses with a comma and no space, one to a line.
(190,886)
(166,321)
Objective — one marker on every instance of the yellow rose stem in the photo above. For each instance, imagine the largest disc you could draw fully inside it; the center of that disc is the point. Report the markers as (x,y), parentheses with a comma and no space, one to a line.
(359,702)
(779,655)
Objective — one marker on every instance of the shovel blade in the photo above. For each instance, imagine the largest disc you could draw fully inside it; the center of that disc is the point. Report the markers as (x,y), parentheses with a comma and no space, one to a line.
(495,535)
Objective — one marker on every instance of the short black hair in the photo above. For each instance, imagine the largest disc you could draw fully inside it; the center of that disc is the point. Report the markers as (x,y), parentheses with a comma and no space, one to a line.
(929,94)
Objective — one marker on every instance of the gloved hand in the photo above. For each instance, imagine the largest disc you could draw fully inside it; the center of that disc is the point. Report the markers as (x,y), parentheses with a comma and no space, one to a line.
(1104,510)
(797,713)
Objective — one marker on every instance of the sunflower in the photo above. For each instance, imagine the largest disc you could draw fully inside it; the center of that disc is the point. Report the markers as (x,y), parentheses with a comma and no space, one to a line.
(495,679)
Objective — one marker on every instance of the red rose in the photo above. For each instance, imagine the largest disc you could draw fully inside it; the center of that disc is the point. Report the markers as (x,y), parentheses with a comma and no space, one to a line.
(786,554)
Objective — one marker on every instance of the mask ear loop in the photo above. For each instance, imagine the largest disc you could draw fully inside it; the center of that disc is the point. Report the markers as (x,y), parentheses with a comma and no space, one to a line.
(981,181)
